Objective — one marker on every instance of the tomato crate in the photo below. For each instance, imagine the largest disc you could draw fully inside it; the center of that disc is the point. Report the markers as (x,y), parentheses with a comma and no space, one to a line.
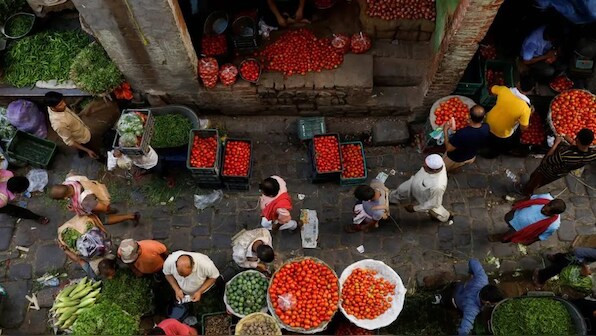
(236,179)
(472,79)
(486,99)
(309,127)
(350,181)
(204,134)
(31,149)
(318,176)
(237,186)
(148,130)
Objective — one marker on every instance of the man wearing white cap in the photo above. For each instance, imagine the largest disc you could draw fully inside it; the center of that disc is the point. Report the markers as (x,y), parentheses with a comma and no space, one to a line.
(144,256)
(426,187)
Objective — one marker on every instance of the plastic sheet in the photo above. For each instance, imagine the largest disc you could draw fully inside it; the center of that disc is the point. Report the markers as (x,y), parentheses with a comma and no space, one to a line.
(576,11)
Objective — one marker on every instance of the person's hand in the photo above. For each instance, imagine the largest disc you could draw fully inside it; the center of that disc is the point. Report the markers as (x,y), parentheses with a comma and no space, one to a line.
(299,14)
(551,54)
(179,294)
(282,21)
(196,297)
(446,126)
(262,267)
(409,208)
(550,60)
(92,154)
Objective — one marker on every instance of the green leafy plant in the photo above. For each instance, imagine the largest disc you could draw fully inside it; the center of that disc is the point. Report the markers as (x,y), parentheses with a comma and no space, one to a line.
(9,7)
(94,72)
(171,130)
(44,56)
(532,316)
(106,318)
(130,293)
(571,276)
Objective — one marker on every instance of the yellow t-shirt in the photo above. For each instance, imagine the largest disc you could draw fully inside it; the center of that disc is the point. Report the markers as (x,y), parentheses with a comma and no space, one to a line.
(507,112)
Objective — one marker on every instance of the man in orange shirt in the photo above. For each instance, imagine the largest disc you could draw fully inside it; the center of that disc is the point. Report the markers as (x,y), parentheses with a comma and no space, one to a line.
(144,257)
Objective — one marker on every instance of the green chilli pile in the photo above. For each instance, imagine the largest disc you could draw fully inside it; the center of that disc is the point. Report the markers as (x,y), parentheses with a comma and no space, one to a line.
(171,130)
(532,316)
(19,25)
(74,300)
(246,293)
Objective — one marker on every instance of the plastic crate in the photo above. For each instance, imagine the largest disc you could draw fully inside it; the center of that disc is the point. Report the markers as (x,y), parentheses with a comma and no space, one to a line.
(31,149)
(237,186)
(145,139)
(204,316)
(309,127)
(229,179)
(206,133)
(356,180)
(486,99)
(317,176)
(472,79)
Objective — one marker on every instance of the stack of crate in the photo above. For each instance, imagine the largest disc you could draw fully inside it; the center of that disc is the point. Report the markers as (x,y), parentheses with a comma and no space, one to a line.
(207,178)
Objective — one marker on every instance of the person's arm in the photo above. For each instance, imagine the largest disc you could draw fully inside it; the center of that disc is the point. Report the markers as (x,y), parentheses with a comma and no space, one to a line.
(524,120)
(527,58)
(477,271)
(435,200)
(239,257)
(300,11)
(84,149)
(135,270)
(467,321)
(449,147)
(101,207)
(206,285)
(177,290)
(273,7)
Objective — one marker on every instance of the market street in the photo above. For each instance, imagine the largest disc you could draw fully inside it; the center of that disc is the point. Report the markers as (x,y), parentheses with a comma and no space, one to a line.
(416,247)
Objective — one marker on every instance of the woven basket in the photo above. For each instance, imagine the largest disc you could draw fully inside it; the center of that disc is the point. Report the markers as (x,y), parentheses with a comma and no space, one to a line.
(228,307)
(320,327)
(250,318)
(432,117)
(549,118)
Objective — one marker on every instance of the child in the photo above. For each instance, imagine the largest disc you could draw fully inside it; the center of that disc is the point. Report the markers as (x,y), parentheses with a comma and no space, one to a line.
(148,164)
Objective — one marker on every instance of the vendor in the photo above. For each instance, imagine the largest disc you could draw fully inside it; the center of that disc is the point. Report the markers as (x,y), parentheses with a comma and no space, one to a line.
(580,255)
(541,52)
(282,13)
(9,186)
(275,204)
(190,273)
(143,257)
(251,249)
(149,163)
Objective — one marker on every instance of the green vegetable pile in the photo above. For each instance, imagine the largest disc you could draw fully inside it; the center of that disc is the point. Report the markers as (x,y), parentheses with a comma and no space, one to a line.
(74,300)
(70,237)
(9,7)
(44,56)
(93,71)
(532,316)
(246,293)
(132,294)
(7,131)
(18,25)
(171,130)
(571,276)
(106,318)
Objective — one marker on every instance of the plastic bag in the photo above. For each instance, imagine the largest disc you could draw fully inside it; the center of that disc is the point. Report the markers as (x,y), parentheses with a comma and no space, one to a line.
(124,162)
(112,161)
(202,202)
(7,131)
(38,179)
(360,43)
(341,43)
(571,276)
(208,71)
(228,74)
(27,117)
(286,301)
(93,243)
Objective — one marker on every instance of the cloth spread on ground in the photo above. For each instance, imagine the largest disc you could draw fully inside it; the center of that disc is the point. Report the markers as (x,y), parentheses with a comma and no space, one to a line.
(507,112)
(564,160)
(467,296)
(534,228)
(467,141)
(242,252)
(5,194)
(69,127)
(202,270)
(535,45)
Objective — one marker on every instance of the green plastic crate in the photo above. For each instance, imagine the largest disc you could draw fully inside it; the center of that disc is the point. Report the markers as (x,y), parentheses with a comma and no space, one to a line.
(472,80)
(31,149)
(486,99)
(309,127)
(355,180)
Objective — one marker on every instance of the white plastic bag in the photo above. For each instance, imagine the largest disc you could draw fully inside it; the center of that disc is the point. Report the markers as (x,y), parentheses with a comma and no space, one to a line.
(38,179)
(124,162)
(112,161)
(202,202)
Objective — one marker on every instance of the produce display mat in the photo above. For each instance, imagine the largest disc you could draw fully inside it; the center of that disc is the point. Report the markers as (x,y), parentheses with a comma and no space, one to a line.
(398,298)
(433,118)
(310,229)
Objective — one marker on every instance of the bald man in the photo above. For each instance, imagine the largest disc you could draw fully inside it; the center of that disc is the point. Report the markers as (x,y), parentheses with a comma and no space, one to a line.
(463,145)
(190,273)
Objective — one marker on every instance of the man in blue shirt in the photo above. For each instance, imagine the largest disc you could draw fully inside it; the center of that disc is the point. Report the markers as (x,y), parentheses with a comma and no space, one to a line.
(541,52)
(580,255)
(463,145)
(469,297)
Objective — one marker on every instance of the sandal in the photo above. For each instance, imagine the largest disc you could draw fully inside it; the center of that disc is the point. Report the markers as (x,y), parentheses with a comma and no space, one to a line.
(43,220)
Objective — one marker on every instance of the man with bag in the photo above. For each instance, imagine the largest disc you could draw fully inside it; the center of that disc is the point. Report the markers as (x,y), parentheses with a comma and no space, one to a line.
(275,204)
(9,186)
(531,220)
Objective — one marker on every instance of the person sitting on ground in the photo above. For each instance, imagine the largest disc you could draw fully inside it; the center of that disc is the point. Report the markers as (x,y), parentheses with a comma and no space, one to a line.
(143,257)
(372,206)
(190,273)
(251,249)
(510,115)
(562,159)
(11,185)
(470,296)
(580,255)
(541,52)
(276,203)
(67,124)
(427,188)
(149,163)
(88,196)
(463,145)
(531,220)
(282,13)
(172,327)
(97,269)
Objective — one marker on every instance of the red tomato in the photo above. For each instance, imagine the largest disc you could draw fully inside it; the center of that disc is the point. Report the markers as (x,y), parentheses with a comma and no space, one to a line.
(353,162)
(326,154)
(366,295)
(534,135)
(402,9)
(573,110)
(236,158)
(250,70)
(455,108)
(214,45)
(203,152)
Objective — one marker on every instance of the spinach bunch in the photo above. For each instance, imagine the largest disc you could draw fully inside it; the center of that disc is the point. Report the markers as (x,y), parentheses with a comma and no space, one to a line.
(130,293)
(94,72)
(105,318)
(532,316)
(171,130)
(44,56)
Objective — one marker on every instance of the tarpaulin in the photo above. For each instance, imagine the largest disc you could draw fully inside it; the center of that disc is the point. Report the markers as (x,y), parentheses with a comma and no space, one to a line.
(576,11)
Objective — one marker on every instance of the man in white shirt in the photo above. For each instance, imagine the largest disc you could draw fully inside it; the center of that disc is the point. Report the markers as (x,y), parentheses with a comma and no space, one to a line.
(251,249)
(426,187)
(190,273)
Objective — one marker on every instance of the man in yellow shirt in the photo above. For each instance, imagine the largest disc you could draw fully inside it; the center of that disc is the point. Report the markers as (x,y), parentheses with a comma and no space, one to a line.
(67,124)
(509,116)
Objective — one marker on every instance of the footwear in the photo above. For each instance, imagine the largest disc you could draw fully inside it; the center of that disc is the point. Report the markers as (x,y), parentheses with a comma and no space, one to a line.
(137,218)
(43,220)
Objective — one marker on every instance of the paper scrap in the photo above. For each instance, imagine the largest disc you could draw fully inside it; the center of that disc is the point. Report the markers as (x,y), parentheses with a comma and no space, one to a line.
(310,229)
(360,249)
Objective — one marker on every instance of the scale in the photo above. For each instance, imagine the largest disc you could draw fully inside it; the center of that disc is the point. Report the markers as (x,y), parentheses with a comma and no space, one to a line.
(582,61)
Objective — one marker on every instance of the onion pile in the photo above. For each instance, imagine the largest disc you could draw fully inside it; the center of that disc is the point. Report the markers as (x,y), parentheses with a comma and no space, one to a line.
(360,43)
(402,9)
(208,71)
(228,74)
(300,51)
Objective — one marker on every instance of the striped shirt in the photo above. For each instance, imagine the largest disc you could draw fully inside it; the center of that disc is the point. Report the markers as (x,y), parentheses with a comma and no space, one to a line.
(564,160)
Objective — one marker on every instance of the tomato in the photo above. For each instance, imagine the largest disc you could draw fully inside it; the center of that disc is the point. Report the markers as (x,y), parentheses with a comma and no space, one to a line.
(455,108)
(366,295)
(402,9)
(228,74)
(360,43)
(214,45)
(352,161)
(203,152)
(326,154)
(236,158)
(250,70)
(561,83)
(573,110)
(341,43)
(494,78)
(208,71)
(534,135)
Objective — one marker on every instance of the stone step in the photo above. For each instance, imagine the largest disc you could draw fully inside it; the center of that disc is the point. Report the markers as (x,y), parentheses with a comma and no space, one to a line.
(403,49)
(389,71)
(397,97)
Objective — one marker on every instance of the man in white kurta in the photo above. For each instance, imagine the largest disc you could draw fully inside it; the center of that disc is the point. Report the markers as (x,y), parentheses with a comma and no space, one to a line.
(190,273)
(426,188)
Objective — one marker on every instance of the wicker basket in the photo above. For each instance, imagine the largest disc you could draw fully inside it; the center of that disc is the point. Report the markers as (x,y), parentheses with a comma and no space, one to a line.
(432,117)
(549,118)
(228,307)
(320,327)
(250,318)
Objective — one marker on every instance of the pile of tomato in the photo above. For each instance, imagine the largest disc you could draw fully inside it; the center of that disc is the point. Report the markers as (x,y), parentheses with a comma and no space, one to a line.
(300,51)
(402,9)
(203,152)
(208,71)
(352,161)
(494,77)
(228,74)
(236,158)
(304,294)
(573,110)
(365,295)
(250,70)
(561,83)
(453,107)
(214,45)
(360,43)
(488,51)
(341,43)
(534,135)
(326,154)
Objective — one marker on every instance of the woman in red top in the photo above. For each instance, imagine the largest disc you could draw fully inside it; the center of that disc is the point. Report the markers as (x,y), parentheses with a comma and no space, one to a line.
(172,327)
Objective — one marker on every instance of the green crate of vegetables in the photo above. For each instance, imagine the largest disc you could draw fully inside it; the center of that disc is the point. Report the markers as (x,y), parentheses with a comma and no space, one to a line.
(31,149)
(134,131)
